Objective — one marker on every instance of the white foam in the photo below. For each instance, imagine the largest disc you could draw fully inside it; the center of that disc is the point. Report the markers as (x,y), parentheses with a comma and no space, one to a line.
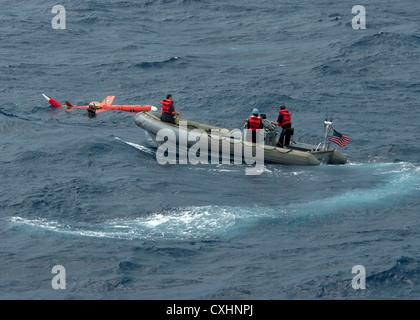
(138,146)
(189,223)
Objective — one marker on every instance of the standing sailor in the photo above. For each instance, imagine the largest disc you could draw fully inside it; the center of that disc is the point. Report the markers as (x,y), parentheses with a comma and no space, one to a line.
(284,121)
(168,110)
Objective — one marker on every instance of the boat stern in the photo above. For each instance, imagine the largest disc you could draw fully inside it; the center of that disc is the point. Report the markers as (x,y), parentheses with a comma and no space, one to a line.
(336,157)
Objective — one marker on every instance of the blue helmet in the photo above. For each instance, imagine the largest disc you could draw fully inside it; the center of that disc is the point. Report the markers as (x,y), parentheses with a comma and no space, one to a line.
(256,111)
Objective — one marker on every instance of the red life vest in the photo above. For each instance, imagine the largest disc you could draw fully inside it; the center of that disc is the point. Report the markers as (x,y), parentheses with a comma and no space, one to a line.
(166,106)
(286,117)
(254,123)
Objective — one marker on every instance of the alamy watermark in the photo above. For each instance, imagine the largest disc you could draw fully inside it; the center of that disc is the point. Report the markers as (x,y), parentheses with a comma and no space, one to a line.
(58,281)
(220,146)
(358,21)
(58,21)
(359,280)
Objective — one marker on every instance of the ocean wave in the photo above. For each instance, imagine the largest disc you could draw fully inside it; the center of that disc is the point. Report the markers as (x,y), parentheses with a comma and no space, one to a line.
(157,64)
(402,277)
(375,53)
(404,273)
(145,4)
(383,40)
(394,152)
(116,65)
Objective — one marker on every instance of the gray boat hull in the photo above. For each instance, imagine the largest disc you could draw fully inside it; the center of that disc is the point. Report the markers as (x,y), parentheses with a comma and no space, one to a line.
(222,142)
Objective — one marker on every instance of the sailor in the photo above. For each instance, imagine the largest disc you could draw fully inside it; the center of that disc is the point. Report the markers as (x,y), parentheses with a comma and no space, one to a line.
(91,110)
(168,110)
(254,123)
(284,121)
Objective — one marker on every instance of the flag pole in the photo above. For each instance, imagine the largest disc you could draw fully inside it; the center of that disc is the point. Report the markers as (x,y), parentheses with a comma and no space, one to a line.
(328,127)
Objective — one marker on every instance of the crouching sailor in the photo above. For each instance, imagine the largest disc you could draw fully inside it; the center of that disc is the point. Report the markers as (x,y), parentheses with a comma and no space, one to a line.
(168,110)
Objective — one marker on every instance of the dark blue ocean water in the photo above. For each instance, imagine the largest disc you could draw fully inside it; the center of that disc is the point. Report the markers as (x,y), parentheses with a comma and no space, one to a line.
(88,194)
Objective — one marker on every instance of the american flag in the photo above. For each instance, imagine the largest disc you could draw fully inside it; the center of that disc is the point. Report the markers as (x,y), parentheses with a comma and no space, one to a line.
(340,138)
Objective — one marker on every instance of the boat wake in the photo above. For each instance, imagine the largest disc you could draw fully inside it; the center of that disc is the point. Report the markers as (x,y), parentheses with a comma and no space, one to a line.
(216,222)
(184,224)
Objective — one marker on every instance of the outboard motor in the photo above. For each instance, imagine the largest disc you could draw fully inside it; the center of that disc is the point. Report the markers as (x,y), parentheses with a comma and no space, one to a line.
(270,132)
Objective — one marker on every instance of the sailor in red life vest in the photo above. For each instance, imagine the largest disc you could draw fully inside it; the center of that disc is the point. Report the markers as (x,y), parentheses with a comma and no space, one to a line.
(254,123)
(168,110)
(284,121)
(91,110)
